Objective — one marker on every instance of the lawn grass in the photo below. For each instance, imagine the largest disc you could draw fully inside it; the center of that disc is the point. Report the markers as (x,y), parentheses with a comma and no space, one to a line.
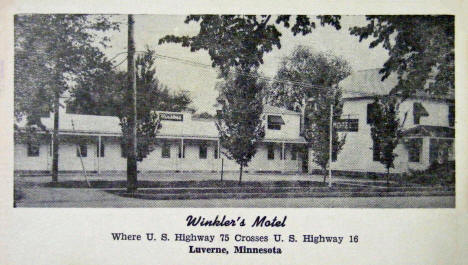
(231,189)
(182,184)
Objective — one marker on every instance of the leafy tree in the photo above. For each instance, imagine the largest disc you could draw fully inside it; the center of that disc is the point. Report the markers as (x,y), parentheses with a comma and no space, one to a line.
(309,80)
(53,53)
(242,40)
(204,115)
(107,95)
(386,130)
(301,76)
(317,125)
(421,49)
(239,122)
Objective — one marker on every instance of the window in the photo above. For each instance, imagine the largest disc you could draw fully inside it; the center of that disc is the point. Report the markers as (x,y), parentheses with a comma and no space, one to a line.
(440,150)
(33,149)
(203,151)
(376,151)
(271,152)
(123,150)
(100,151)
(370,113)
(414,149)
(418,112)
(294,153)
(451,115)
(82,150)
(166,150)
(275,122)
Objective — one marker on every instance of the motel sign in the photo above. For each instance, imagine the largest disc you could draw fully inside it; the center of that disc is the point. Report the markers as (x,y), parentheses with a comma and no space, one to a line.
(346,125)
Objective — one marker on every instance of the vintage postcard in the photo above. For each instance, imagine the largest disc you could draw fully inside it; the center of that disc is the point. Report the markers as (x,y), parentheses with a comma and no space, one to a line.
(277,135)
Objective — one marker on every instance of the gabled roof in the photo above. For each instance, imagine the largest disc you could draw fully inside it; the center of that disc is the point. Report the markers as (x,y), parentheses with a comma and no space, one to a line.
(110,125)
(189,128)
(85,123)
(277,110)
(366,83)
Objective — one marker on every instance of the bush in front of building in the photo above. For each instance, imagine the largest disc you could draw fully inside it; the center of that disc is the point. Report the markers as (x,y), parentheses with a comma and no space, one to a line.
(437,174)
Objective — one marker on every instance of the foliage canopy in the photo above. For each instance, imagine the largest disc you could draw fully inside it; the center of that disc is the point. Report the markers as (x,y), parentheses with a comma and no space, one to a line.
(52,54)
(421,50)
(107,95)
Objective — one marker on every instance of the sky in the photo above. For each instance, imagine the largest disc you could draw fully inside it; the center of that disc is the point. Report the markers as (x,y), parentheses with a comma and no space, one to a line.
(200,82)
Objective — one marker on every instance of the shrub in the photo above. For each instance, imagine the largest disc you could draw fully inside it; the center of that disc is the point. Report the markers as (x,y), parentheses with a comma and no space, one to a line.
(435,174)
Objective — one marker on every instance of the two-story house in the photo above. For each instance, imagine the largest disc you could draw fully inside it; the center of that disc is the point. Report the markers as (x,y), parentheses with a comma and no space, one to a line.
(428,126)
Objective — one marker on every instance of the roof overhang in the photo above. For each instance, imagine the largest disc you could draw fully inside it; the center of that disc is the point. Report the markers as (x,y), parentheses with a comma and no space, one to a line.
(430,131)
(290,141)
(275,119)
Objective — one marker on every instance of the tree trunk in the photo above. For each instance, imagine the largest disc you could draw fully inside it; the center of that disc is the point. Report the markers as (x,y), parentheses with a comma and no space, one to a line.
(240,173)
(388,176)
(325,175)
(55,142)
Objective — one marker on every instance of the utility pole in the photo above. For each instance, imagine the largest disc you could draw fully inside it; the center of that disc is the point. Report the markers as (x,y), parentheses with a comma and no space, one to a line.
(132,134)
(55,142)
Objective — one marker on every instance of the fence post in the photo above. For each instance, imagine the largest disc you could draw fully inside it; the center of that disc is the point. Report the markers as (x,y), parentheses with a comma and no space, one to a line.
(222,168)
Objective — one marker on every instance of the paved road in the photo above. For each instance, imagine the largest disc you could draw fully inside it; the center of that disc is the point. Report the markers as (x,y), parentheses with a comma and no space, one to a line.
(60,197)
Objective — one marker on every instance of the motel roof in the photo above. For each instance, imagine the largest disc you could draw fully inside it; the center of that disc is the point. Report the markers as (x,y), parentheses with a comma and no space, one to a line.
(110,125)
(188,128)
(368,83)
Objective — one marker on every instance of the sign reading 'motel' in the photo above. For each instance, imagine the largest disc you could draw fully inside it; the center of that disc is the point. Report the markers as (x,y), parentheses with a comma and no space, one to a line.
(347,125)
(165,116)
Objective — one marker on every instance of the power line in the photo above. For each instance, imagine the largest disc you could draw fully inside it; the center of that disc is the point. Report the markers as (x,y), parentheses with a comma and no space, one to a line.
(119,63)
(209,67)
(301,84)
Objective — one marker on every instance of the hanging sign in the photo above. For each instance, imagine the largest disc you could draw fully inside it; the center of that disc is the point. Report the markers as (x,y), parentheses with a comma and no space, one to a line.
(347,125)
(171,116)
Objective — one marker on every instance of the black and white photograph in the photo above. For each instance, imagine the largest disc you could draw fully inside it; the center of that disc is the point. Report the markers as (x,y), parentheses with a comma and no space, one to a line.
(262,111)
(233,132)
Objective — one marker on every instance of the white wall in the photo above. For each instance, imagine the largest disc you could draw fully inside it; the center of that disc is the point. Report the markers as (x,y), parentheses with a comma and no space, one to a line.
(112,159)
(68,159)
(290,130)
(192,161)
(437,110)
(23,162)
(356,154)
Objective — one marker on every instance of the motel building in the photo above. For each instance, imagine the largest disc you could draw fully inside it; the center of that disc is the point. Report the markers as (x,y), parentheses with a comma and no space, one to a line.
(428,131)
(188,144)
(184,144)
